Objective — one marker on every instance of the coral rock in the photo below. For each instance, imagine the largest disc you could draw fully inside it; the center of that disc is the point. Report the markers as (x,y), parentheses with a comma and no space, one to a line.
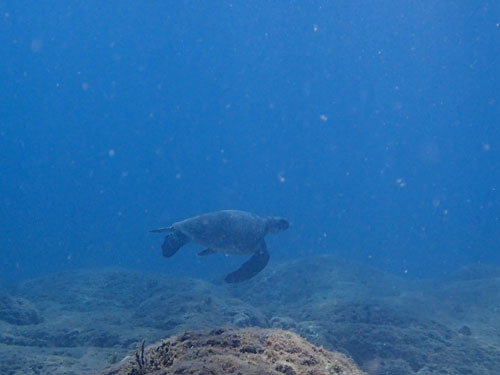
(18,311)
(235,351)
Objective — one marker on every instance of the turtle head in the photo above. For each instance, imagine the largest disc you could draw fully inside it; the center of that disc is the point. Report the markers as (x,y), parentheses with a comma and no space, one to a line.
(276,224)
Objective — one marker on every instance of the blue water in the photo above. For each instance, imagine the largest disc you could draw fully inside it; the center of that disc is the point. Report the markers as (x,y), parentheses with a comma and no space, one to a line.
(373,126)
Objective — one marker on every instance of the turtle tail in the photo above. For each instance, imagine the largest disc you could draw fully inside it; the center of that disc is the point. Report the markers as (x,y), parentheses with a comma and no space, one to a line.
(173,242)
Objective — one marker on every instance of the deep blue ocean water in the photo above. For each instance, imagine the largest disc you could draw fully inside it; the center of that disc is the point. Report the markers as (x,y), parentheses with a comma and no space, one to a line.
(373,126)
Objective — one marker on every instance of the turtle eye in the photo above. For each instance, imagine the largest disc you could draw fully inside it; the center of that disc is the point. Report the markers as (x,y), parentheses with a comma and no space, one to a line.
(283,224)
(279,224)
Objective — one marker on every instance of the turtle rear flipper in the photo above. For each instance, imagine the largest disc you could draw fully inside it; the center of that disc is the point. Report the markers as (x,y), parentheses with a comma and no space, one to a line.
(251,267)
(174,242)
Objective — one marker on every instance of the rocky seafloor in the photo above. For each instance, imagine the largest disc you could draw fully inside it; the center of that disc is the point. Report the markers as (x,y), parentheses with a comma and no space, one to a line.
(235,351)
(82,322)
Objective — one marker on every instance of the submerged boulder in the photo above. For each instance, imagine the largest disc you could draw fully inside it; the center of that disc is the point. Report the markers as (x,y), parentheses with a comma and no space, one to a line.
(235,351)
(18,311)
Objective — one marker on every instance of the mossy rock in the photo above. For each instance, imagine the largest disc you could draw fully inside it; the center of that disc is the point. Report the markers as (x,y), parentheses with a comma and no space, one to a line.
(235,351)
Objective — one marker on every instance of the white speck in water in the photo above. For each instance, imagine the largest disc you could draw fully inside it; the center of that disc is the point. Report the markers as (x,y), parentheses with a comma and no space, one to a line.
(36,45)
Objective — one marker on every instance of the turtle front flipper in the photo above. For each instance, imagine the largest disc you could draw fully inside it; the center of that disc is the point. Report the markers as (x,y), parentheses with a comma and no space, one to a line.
(251,267)
(174,242)
(207,252)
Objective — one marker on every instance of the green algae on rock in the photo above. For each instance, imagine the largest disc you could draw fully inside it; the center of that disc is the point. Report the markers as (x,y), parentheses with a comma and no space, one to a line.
(235,351)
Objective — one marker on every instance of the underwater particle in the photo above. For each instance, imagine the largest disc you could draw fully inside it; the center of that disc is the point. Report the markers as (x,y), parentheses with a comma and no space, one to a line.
(486,147)
(323,117)
(281,177)
(85,86)
(36,45)
(400,182)
(178,176)
(315,28)
(111,153)
(373,366)
(429,152)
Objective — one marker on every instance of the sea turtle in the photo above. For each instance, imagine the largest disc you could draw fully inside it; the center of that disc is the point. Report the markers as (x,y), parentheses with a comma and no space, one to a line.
(228,232)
